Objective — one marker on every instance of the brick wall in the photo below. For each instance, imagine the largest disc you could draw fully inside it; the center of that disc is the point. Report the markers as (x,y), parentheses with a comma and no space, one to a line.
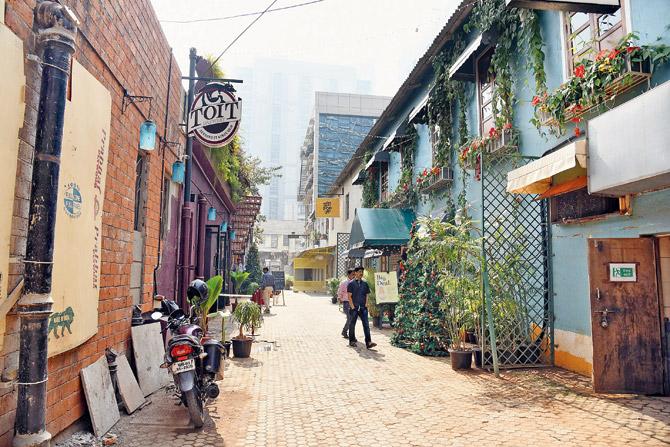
(122,45)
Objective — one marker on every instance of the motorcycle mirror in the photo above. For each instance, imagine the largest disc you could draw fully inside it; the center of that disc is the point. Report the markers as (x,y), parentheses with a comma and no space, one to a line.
(156,316)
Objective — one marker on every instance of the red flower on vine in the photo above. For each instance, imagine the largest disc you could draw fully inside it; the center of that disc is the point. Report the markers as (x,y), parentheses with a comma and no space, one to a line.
(507,126)
(576,119)
(601,54)
(578,131)
(580,71)
(614,53)
(536,100)
(632,49)
(435,170)
(493,132)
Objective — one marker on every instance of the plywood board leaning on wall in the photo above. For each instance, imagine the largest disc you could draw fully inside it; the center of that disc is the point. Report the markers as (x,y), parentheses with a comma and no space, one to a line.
(81,193)
(11,120)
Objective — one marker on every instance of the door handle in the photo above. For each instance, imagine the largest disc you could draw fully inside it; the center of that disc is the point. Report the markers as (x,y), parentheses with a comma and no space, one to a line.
(604,321)
(598,293)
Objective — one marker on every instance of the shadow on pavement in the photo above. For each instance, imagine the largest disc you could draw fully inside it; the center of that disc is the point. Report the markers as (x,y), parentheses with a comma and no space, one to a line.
(246,362)
(372,354)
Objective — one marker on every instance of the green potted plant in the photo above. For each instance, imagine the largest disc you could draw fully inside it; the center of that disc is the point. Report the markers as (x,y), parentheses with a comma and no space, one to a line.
(333,284)
(238,278)
(202,307)
(373,309)
(249,316)
(455,253)
(289,282)
(250,288)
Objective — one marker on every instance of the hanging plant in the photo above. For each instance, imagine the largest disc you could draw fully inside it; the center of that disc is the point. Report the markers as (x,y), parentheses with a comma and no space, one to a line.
(596,81)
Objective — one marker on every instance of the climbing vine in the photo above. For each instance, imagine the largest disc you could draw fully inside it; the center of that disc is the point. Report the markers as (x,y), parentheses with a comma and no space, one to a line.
(511,29)
(370,186)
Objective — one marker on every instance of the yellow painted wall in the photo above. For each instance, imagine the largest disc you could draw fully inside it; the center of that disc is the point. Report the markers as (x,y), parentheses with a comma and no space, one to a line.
(12,108)
(573,352)
(78,240)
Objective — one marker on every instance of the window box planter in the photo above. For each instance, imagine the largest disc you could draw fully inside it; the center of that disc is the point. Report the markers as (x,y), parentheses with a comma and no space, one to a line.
(633,74)
(498,143)
(439,181)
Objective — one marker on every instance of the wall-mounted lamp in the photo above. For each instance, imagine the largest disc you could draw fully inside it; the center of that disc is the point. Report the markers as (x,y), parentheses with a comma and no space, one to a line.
(232,235)
(178,171)
(211,214)
(148,127)
(148,136)
(224,227)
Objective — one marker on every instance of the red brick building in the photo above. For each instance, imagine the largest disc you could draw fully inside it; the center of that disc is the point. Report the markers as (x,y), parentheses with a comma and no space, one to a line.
(122,45)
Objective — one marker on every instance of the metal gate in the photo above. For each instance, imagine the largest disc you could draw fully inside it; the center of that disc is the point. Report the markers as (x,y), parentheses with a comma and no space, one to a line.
(342,259)
(517,316)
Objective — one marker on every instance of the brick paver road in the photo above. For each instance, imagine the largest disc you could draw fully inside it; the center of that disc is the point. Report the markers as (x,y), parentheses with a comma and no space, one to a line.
(313,390)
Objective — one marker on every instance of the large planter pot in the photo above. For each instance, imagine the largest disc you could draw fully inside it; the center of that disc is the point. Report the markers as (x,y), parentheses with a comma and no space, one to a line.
(460,359)
(226,348)
(333,300)
(377,321)
(242,347)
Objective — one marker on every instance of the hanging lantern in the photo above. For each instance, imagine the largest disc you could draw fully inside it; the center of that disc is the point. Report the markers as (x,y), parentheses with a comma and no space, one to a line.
(232,235)
(211,214)
(224,227)
(148,136)
(178,171)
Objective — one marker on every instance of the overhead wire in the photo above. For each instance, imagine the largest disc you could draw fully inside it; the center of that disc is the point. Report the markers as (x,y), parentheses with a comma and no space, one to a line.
(242,33)
(218,19)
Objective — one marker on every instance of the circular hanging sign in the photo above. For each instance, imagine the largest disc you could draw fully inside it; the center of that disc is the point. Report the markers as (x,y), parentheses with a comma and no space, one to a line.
(215,115)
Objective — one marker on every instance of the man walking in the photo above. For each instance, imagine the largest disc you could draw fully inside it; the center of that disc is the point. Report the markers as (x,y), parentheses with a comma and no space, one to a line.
(268,285)
(343,296)
(358,291)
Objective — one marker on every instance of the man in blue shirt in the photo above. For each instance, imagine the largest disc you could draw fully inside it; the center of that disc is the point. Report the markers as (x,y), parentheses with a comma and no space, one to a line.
(268,286)
(358,291)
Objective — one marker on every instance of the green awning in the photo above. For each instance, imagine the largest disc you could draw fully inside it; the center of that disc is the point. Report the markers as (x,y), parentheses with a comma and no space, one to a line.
(380,227)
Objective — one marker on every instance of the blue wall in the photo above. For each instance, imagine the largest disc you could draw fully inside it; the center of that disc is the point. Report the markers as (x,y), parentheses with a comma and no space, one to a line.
(651,212)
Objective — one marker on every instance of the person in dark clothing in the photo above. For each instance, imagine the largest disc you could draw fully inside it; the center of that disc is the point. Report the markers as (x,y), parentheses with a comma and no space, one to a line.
(343,296)
(358,291)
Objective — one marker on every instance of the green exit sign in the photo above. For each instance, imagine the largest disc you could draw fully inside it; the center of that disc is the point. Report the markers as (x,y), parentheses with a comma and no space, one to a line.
(623,272)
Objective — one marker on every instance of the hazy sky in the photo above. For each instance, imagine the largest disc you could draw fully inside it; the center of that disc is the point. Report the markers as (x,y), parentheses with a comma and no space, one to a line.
(381,39)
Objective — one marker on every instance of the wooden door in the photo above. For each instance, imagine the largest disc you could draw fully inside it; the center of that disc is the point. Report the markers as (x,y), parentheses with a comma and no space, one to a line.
(625,316)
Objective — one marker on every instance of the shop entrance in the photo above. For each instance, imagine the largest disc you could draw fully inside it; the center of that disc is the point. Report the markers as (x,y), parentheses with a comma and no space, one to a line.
(625,316)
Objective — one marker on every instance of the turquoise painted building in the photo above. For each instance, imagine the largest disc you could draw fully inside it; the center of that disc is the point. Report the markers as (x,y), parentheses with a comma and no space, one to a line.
(586,202)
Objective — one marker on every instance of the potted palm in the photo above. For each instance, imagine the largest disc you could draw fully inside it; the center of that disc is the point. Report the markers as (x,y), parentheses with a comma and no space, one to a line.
(455,253)
(249,316)
(373,309)
(201,307)
(238,278)
(333,284)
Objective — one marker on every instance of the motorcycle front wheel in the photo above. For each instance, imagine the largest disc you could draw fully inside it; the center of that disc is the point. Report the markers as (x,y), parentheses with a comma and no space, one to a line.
(195,407)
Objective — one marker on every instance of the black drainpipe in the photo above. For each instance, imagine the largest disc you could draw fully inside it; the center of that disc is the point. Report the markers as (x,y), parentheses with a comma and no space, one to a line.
(57,31)
(164,146)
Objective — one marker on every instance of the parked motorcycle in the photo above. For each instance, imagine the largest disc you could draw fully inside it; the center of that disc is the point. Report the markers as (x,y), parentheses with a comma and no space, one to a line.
(192,359)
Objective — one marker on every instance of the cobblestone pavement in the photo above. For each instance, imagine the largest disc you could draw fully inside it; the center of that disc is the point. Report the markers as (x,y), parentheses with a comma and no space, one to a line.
(312,389)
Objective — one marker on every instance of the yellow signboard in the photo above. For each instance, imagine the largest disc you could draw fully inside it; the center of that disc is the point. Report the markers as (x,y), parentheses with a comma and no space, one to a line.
(81,192)
(326,207)
(11,120)
(386,287)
